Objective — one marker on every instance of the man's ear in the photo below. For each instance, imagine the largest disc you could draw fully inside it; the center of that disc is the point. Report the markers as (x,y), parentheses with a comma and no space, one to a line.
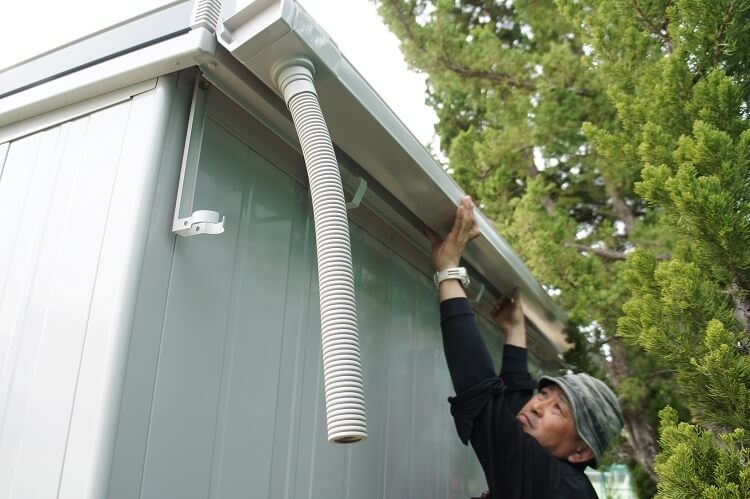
(581,455)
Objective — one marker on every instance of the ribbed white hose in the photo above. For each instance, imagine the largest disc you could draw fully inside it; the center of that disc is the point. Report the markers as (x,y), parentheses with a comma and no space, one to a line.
(344,392)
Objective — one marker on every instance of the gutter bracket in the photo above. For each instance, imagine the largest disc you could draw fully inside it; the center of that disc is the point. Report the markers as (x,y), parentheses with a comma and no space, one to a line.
(200,221)
(480,293)
(357,199)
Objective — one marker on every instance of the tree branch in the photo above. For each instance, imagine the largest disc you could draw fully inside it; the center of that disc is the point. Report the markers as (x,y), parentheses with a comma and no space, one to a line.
(605,253)
(431,63)
(741,307)
(661,32)
(722,31)
(487,75)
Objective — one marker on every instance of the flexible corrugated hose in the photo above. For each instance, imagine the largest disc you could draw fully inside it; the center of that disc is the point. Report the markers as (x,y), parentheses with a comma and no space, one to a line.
(342,369)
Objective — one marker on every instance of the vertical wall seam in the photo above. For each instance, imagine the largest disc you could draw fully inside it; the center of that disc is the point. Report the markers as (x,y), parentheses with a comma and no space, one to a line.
(230,329)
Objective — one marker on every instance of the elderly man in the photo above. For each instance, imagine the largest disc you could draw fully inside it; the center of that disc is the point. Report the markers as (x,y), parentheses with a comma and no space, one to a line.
(530,446)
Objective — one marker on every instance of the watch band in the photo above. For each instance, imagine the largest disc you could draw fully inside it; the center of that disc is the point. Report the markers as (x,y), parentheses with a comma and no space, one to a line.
(452,273)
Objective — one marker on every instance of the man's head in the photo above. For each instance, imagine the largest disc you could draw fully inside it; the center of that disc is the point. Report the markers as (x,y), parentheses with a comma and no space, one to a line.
(575,417)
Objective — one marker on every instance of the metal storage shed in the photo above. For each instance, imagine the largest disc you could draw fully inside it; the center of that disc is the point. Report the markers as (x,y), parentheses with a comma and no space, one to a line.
(138,363)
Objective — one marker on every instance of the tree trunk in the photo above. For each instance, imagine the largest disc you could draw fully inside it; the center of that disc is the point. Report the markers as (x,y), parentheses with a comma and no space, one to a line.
(640,432)
(621,209)
(532,171)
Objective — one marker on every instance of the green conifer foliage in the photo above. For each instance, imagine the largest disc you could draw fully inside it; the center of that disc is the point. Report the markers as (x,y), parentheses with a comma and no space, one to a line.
(678,75)
(695,464)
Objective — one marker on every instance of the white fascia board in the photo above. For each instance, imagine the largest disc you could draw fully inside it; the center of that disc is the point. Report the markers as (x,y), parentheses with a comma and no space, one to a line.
(146,29)
(364,127)
(131,68)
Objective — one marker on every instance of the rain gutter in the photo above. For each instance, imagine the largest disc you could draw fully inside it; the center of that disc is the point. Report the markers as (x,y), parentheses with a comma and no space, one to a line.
(367,130)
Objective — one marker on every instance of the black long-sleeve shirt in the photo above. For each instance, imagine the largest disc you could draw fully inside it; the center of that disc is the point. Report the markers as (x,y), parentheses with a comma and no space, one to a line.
(484,409)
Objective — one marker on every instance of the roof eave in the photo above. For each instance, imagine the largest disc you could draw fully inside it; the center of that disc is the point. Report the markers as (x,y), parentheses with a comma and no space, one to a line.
(364,127)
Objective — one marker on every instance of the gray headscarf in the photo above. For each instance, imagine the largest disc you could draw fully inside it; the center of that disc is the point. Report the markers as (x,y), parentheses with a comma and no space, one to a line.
(595,409)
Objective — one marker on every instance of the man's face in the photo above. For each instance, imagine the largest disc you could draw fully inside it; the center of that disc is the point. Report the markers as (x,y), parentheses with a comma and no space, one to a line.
(549,419)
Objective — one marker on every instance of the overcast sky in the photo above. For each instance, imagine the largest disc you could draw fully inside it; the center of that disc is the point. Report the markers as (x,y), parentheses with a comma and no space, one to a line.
(354,25)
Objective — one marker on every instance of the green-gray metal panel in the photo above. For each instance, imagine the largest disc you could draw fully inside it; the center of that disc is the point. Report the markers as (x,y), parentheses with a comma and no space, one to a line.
(297,327)
(238,406)
(189,377)
(367,464)
(259,371)
(400,375)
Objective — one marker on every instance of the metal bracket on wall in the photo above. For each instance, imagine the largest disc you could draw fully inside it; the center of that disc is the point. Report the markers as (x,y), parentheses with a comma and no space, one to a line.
(357,199)
(200,221)
(480,293)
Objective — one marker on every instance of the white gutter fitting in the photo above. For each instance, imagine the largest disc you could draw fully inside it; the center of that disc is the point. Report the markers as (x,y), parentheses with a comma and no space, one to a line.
(342,371)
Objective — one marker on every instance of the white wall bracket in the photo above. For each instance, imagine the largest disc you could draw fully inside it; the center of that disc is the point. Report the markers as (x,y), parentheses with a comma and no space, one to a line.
(480,293)
(357,198)
(200,221)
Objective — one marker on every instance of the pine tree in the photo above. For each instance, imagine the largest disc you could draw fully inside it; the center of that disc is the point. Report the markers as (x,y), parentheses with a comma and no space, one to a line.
(678,73)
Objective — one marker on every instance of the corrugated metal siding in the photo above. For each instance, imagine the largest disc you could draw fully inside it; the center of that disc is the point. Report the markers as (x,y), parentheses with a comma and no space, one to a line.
(237,394)
(75,196)
(223,392)
(211,344)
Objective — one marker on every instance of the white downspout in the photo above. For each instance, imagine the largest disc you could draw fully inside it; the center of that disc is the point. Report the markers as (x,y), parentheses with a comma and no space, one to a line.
(344,392)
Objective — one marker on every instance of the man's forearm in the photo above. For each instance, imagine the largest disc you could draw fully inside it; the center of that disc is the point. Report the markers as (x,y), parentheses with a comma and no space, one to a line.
(466,354)
(451,288)
(516,336)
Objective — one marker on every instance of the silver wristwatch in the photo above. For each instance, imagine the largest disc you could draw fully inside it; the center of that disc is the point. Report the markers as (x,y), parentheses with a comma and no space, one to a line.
(452,273)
